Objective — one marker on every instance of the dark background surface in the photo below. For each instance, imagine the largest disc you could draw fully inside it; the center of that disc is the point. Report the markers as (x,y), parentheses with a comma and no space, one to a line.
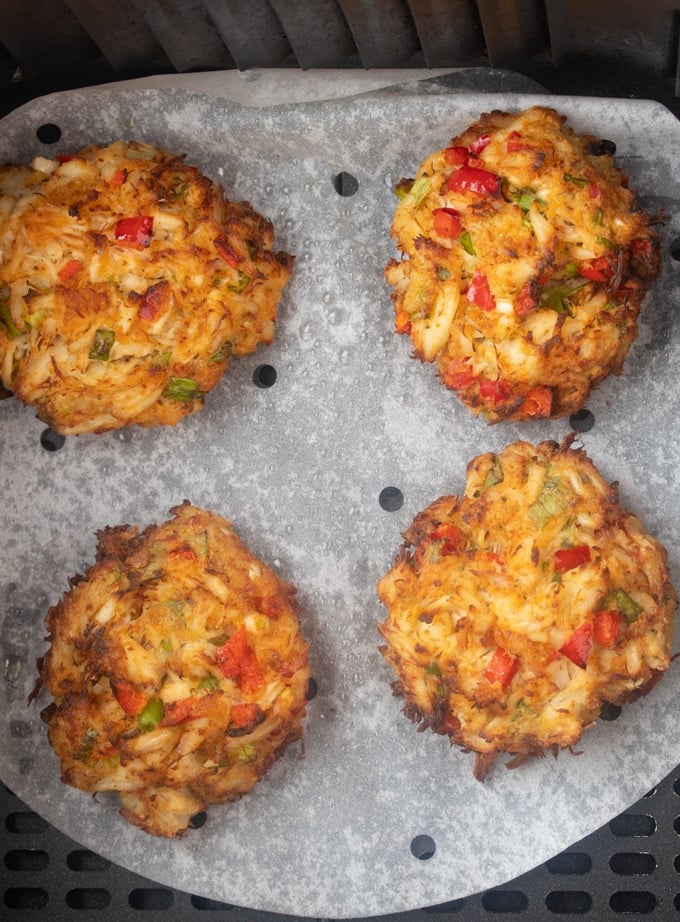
(629,870)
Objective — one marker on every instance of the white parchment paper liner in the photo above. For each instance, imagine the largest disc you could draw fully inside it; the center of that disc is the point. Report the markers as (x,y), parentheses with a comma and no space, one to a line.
(298,469)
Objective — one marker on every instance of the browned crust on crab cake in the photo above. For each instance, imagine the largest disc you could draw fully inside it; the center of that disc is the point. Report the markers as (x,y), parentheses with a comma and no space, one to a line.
(515,610)
(127,281)
(524,265)
(177,668)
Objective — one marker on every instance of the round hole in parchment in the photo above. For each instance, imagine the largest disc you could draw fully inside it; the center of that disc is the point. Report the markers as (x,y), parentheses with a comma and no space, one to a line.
(345,184)
(423,847)
(391,499)
(675,249)
(49,133)
(264,376)
(582,421)
(51,440)
(312,689)
(609,711)
(198,820)
(602,148)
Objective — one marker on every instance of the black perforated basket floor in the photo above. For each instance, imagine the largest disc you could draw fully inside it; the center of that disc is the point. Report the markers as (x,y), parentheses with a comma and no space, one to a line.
(626,871)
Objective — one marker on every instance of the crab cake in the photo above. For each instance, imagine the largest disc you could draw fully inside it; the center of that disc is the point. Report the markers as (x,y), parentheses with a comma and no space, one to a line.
(524,265)
(516,610)
(178,670)
(127,281)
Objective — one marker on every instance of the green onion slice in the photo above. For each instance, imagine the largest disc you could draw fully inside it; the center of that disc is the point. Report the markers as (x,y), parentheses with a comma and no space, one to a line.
(101,345)
(183,389)
(467,244)
(151,714)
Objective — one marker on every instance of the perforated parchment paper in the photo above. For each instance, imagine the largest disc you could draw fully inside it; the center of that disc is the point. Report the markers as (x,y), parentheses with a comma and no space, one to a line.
(298,468)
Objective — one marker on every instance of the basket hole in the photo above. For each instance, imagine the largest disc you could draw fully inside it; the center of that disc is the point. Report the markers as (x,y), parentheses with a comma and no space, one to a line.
(609,711)
(92,898)
(150,898)
(49,133)
(198,820)
(26,898)
(26,859)
(675,248)
(25,823)
(345,184)
(202,903)
(632,901)
(569,902)
(264,376)
(423,847)
(312,689)
(570,863)
(632,864)
(83,860)
(51,440)
(637,825)
(391,499)
(602,148)
(582,421)
(510,901)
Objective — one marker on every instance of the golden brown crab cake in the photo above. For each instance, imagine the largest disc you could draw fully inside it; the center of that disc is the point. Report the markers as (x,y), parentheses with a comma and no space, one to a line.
(515,610)
(524,265)
(127,281)
(178,670)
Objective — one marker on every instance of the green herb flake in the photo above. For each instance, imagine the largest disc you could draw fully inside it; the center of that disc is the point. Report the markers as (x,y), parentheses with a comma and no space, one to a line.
(443,274)
(419,190)
(246,753)
(166,645)
(151,715)
(549,502)
(241,284)
(467,244)
(183,389)
(7,320)
(433,669)
(101,345)
(607,243)
(575,180)
(630,609)
(84,752)
(494,474)
(598,217)
(209,683)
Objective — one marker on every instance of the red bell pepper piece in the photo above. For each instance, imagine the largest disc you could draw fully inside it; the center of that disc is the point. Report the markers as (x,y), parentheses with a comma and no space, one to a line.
(479,292)
(119,177)
(495,391)
(474,179)
(227,252)
(129,698)
(447,222)
(593,190)
(501,667)
(236,660)
(449,534)
(599,269)
(456,156)
(69,269)
(566,558)
(402,322)
(155,299)
(480,144)
(178,711)
(606,626)
(514,141)
(538,402)
(458,378)
(135,231)
(578,646)
(246,715)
